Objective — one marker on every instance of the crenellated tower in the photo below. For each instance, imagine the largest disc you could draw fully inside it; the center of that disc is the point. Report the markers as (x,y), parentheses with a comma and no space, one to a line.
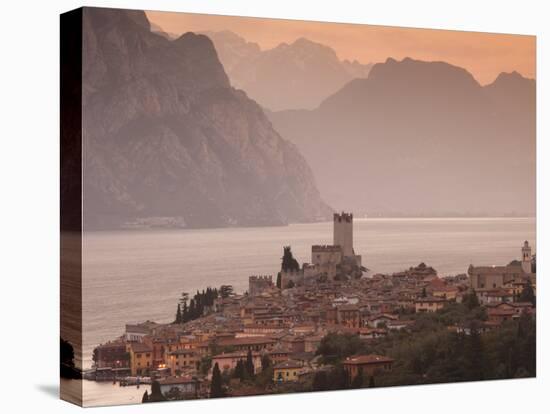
(343,233)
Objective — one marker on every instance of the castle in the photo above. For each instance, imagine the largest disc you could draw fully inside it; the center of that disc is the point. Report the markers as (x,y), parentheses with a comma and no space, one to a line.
(259,284)
(327,260)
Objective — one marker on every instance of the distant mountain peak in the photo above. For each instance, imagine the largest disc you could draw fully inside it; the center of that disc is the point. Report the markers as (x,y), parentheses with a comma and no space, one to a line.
(514,76)
(170,142)
(426,72)
(293,75)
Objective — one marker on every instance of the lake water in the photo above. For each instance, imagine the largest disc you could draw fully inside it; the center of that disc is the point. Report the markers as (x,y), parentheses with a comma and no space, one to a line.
(132,276)
(104,393)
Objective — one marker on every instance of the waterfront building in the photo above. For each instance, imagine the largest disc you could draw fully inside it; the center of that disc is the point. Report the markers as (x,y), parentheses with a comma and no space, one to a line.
(141,358)
(182,361)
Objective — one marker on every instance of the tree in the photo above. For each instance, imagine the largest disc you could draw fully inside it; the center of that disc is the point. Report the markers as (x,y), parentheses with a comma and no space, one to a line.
(216,386)
(320,381)
(279,280)
(145,397)
(178,315)
(226,291)
(156,393)
(205,364)
(249,367)
(266,362)
(68,369)
(528,294)
(371,382)
(470,300)
(290,284)
(289,263)
(358,380)
(335,347)
(240,371)
(474,355)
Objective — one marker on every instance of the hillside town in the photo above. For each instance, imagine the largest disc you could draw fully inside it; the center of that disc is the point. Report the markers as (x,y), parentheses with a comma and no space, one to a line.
(327,325)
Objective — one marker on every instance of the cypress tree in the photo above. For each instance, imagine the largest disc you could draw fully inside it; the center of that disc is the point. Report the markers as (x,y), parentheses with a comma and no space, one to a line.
(178,314)
(145,397)
(156,393)
(249,364)
(266,362)
(216,386)
(239,370)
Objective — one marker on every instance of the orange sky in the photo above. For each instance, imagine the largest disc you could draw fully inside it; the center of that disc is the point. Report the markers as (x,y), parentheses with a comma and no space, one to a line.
(485,55)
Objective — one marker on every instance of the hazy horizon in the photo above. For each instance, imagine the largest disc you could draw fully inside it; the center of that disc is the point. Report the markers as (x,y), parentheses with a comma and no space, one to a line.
(484,55)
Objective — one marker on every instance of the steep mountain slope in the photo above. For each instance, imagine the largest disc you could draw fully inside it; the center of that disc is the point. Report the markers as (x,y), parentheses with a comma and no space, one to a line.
(422,138)
(168,141)
(289,76)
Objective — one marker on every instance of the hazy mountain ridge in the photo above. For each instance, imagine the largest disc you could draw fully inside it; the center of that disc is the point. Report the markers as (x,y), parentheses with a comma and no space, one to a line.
(421,138)
(168,141)
(297,75)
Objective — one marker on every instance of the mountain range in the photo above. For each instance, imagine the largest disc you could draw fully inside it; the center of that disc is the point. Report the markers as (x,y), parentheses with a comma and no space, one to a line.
(168,141)
(289,76)
(422,138)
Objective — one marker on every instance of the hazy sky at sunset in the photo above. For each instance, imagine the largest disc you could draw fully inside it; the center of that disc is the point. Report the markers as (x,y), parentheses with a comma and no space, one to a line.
(485,55)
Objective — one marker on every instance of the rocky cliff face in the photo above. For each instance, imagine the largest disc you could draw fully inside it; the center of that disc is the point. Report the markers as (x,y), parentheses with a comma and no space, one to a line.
(289,76)
(422,138)
(168,141)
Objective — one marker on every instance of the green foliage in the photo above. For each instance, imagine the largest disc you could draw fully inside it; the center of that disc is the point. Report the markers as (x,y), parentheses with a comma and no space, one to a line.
(334,379)
(249,365)
(335,347)
(279,280)
(320,381)
(240,370)
(470,300)
(371,382)
(289,263)
(528,294)
(67,366)
(266,362)
(156,394)
(189,310)
(178,315)
(205,364)
(226,291)
(216,386)
(358,380)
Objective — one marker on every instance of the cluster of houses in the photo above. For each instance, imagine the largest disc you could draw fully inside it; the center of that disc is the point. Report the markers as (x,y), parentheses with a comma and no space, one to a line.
(288,324)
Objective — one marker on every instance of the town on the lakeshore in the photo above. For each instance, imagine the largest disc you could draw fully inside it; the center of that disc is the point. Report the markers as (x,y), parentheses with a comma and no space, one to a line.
(328,325)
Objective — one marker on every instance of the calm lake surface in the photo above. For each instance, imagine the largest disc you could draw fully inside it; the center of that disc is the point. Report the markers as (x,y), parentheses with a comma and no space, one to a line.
(132,276)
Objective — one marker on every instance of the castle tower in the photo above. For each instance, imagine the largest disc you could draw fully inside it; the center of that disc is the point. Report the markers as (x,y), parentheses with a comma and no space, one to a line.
(526,257)
(343,233)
